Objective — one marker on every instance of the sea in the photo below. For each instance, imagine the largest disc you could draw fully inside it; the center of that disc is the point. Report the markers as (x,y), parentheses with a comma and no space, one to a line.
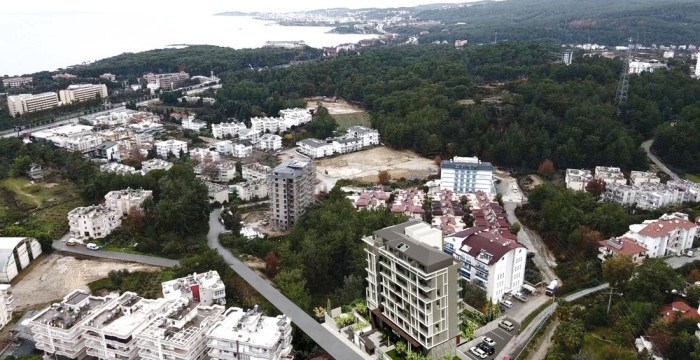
(33,42)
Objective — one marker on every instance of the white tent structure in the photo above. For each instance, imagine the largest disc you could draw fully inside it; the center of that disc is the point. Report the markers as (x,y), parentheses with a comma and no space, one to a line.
(15,255)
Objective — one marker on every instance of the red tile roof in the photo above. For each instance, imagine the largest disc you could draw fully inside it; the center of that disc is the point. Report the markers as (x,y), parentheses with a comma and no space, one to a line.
(663,227)
(494,244)
(669,311)
(629,247)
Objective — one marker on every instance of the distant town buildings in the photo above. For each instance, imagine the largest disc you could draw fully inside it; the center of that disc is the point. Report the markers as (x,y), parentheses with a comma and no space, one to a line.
(108,76)
(291,188)
(65,76)
(82,92)
(408,277)
(26,103)
(117,168)
(466,175)
(165,81)
(192,124)
(15,82)
(638,67)
(155,164)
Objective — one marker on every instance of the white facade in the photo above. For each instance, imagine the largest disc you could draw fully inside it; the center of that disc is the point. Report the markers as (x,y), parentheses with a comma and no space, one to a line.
(369,136)
(6,307)
(164,148)
(488,260)
(466,175)
(93,222)
(190,123)
(651,195)
(610,175)
(638,67)
(268,125)
(315,148)
(697,66)
(639,178)
(577,179)
(82,92)
(217,192)
(15,82)
(255,171)
(250,335)
(346,145)
(126,200)
(666,236)
(16,253)
(155,164)
(241,149)
(217,172)
(295,117)
(270,142)
(204,155)
(26,103)
(223,129)
(249,134)
(224,147)
(117,168)
(83,143)
(205,288)
(251,190)
(165,81)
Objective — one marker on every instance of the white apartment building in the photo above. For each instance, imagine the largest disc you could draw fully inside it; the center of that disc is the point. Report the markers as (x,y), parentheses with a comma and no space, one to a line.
(226,129)
(492,262)
(691,190)
(250,335)
(165,81)
(110,331)
(241,149)
(180,334)
(16,253)
(315,148)
(651,195)
(466,175)
(59,329)
(268,125)
(190,123)
(124,201)
(270,142)
(15,82)
(346,145)
(68,130)
(117,168)
(204,155)
(251,190)
(26,103)
(638,67)
(6,307)
(669,235)
(108,76)
(224,147)
(94,222)
(577,179)
(216,192)
(249,134)
(640,178)
(155,164)
(610,175)
(291,187)
(369,136)
(224,171)
(167,147)
(205,288)
(295,117)
(82,92)
(413,289)
(85,143)
(255,171)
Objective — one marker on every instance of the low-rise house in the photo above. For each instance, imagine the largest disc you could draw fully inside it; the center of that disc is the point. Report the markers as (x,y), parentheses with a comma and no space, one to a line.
(370,200)
(204,288)
(36,173)
(155,164)
(577,179)
(367,135)
(669,235)
(242,149)
(489,259)
(217,192)
(227,129)
(117,168)
(255,171)
(315,148)
(109,150)
(270,142)
(347,145)
(95,222)
(167,147)
(250,335)
(679,310)
(251,190)
(192,124)
(621,246)
(125,201)
(610,175)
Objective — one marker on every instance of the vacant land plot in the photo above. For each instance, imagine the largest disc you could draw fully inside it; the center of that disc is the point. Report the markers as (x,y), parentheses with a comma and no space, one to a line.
(355,119)
(334,107)
(52,277)
(365,166)
(693,177)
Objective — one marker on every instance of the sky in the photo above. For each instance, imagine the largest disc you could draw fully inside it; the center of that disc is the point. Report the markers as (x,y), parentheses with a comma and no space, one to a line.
(201,6)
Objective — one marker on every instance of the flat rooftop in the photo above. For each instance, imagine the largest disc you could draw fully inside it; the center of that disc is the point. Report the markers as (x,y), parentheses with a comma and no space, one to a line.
(68,314)
(249,327)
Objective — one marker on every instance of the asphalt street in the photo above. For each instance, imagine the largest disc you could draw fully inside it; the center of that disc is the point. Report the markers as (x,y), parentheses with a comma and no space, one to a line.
(115,255)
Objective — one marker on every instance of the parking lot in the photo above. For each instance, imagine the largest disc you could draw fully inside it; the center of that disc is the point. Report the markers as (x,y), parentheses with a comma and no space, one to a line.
(499,335)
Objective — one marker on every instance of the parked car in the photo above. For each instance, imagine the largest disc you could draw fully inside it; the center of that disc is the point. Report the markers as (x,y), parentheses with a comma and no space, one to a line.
(507,303)
(505,324)
(488,340)
(71,242)
(488,349)
(478,352)
(520,297)
(689,253)
(92,246)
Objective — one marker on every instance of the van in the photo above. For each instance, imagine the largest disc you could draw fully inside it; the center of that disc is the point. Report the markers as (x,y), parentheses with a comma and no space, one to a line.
(507,303)
(92,246)
(505,324)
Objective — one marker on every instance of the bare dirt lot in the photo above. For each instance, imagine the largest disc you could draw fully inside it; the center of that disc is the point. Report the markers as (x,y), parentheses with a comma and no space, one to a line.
(365,165)
(336,107)
(55,275)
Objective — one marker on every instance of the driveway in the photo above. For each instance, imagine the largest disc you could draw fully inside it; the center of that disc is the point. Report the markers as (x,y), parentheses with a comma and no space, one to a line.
(678,261)
(647,148)
(501,336)
(306,323)
(115,255)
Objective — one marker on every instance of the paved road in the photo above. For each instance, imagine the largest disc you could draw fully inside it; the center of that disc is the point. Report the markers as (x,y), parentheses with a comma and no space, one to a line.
(306,323)
(115,255)
(647,148)
(500,336)
(72,120)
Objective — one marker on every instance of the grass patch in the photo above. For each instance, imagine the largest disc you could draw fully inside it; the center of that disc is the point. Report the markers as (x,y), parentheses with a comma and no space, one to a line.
(593,345)
(693,177)
(354,119)
(467,102)
(54,219)
(532,315)
(146,284)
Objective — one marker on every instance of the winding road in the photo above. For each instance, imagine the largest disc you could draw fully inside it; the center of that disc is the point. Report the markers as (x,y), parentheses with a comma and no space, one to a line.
(115,255)
(306,323)
(647,148)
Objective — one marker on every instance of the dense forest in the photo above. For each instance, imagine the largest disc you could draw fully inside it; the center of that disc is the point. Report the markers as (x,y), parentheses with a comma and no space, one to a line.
(566,21)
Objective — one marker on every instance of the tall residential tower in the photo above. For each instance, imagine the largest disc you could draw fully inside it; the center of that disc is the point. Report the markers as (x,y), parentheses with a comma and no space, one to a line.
(291,188)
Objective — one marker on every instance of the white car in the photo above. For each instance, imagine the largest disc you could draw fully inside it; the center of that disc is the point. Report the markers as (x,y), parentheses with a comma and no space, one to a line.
(92,246)
(478,352)
(488,340)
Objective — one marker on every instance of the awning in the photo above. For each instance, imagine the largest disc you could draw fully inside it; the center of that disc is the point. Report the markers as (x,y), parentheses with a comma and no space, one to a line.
(529,288)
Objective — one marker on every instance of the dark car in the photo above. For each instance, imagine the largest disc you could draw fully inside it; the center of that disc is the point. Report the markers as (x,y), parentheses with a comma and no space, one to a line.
(487,348)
